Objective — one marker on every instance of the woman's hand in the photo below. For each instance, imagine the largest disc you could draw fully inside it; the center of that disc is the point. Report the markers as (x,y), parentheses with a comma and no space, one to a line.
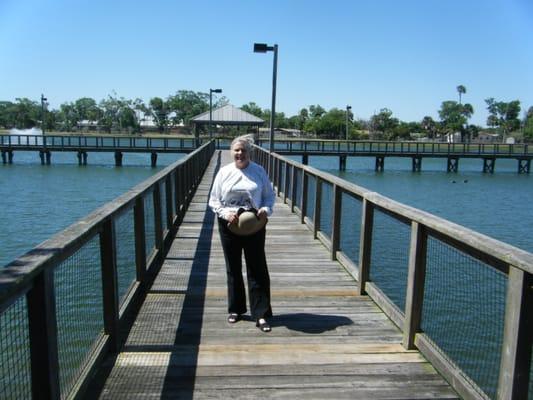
(233,218)
(262,211)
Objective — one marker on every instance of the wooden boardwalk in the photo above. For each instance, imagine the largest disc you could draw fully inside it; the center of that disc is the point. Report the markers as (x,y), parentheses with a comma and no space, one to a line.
(326,341)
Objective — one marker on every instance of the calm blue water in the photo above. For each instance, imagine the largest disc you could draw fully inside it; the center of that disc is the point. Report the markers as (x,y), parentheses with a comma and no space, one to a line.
(38,201)
(498,205)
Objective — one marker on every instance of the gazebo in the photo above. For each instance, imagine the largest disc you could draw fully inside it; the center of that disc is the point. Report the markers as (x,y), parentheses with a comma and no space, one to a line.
(227,115)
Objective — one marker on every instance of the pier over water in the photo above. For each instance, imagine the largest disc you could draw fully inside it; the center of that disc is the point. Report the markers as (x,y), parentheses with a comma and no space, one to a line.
(341,329)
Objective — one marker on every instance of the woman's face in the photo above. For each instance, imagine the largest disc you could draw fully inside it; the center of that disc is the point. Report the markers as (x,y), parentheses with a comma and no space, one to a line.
(240,155)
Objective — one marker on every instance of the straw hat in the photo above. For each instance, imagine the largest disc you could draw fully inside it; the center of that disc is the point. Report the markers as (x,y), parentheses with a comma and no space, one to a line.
(248,223)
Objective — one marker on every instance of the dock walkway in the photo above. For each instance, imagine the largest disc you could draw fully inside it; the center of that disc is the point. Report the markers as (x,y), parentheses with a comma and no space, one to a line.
(326,341)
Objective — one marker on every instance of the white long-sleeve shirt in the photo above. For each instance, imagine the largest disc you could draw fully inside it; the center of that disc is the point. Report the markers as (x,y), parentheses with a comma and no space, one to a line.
(246,188)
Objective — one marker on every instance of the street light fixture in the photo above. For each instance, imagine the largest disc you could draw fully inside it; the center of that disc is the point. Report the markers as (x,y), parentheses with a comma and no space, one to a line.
(263,48)
(43,103)
(211,91)
(348,108)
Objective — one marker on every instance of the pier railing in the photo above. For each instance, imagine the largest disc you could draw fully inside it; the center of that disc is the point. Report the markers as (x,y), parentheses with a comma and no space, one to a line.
(63,303)
(299,146)
(463,299)
(98,143)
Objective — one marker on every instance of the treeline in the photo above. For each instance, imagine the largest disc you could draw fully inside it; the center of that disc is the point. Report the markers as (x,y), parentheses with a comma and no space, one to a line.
(117,114)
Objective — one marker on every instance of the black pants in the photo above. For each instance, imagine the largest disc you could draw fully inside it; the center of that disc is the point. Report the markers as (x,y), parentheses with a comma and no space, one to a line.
(256,271)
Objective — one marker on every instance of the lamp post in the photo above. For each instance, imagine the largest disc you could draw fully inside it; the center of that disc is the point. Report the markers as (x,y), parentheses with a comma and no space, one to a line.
(263,48)
(348,108)
(211,91)
(43,103)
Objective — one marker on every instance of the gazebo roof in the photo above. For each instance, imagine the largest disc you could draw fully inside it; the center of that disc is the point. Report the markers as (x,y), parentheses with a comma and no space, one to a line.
(228,115)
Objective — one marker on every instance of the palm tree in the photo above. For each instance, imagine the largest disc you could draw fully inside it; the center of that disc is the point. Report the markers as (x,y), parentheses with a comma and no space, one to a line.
(461,90)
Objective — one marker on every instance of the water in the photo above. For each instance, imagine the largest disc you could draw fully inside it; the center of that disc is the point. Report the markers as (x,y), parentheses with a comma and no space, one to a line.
(497,205)
(38,201)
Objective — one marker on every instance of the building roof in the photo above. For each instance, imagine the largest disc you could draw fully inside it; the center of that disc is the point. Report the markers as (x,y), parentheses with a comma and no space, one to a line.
(228,115)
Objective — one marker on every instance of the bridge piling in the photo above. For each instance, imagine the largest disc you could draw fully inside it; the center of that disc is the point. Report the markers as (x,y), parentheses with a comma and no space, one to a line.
(82,157)
(4,159)
(45,156)
(524,166)
(118,158)
(342,162)
(380,163)
(417,164)
(488,165)
(153,159)
(453,164)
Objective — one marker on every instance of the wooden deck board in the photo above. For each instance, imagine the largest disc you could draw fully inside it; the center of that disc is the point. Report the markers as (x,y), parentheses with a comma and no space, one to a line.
(326,341)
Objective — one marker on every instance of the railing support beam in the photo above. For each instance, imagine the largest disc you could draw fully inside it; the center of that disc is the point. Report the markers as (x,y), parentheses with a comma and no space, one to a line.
(517,337)
(43,338)
(415,285)
(108,251)
(365,245)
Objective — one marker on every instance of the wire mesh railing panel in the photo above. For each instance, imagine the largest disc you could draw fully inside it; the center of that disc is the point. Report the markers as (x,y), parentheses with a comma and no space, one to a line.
(15,372)
(298,186)
(463,312)
(326,203)
(125,245)
(149,224)
(163,198)
(79,308)
(390,256)
(311,190)
(350,227)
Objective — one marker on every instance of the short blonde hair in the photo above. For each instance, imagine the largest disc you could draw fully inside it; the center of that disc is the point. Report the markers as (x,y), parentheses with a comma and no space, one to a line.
(246,140)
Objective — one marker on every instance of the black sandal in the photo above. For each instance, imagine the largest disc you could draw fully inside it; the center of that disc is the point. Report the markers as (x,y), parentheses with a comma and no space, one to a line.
(263,326)
(233,317)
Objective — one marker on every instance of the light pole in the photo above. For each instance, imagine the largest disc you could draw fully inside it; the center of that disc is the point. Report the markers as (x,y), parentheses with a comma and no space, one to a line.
(211,91)
(263,48)
(348,108)
(43,103)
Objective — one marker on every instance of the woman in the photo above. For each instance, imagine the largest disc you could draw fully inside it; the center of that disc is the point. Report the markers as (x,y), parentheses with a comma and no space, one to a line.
(244,186)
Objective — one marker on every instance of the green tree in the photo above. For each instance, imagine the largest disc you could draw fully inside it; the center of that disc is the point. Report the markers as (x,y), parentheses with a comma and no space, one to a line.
(503,115)
(87,109)
(528,125)
(159,111)
(461,90)
(25,113)
(67,117)
(303,117)
(7,115)
(187,104)
(253,109)
(429,126)
(454,116)
(384,123)
(316,111)
(331,124)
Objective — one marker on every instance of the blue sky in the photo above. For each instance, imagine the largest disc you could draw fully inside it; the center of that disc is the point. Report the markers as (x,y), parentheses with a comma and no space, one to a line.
(408,56)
